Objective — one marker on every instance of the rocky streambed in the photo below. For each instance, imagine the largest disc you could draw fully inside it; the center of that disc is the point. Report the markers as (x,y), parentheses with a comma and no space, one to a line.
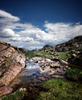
(40,69)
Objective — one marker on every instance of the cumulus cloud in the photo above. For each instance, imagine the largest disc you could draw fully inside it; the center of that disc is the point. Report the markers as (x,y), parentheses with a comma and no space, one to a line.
(63,31)
(6,15)
(29,36)
(8,33)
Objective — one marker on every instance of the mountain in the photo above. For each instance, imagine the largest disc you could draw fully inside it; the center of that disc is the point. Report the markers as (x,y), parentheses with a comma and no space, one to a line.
(73,44)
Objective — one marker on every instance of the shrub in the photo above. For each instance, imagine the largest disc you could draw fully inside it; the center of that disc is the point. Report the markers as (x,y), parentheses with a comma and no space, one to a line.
(61,90)
(74,74)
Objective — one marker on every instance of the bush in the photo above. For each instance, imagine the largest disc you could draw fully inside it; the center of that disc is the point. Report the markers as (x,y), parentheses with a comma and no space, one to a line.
(18,95)
(74,74)
(61,90)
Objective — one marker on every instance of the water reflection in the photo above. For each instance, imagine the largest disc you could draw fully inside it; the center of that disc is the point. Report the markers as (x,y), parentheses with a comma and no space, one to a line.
(32,65)
(32,69)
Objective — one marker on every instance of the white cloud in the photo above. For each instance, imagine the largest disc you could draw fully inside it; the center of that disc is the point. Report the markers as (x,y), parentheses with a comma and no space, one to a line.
(7,15)
(62,31)
(30,37)
(8,33)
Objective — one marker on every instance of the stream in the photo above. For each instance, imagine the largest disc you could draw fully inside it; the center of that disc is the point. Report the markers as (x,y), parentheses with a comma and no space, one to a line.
(32,73)
(38,70)
(32,68)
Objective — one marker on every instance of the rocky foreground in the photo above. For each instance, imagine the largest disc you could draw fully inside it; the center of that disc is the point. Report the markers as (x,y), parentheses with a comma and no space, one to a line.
(12,62)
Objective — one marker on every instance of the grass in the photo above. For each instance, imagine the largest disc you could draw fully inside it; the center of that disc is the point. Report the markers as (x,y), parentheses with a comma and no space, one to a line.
(64,55)
(61,90)
(48,54)
(41,53)
(44,54)
(18,95)
(74,74)
(54,89)
(30,54)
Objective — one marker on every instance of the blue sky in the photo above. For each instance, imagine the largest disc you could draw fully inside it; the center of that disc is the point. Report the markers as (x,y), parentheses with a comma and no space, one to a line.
(37,11)
(34,23)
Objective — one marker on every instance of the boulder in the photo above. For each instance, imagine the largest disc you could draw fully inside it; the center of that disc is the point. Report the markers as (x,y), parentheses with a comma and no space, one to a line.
(5,90)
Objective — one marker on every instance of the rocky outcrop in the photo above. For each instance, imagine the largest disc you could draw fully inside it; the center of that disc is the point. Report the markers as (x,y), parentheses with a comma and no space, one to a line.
(76,60)
(73,44)
(12,61)
(5,90)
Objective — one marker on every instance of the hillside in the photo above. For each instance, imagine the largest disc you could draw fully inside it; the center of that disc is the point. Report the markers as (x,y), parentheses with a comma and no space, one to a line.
(73,44)
(12,61)
(61,51)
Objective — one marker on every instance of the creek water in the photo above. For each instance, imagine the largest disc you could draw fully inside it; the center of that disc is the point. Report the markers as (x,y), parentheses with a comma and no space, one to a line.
(32,69)
(33,73)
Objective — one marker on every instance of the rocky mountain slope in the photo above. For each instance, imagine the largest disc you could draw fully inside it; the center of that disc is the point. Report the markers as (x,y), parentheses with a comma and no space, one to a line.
(73,44)
(12,61)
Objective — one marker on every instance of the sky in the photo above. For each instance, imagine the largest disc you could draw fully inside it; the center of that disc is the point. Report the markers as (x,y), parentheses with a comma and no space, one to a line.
(32,24)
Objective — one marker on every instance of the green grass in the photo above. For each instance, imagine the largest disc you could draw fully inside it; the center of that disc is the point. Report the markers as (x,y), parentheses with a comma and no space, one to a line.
(48,54)
(44,54)
(61,90)
(74,74)
(54,89)
(41,53)
(30,54)
(18,95)
(64,55)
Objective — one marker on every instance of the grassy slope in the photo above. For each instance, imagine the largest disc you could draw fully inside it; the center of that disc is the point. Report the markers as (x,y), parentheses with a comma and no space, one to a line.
(61,90)
(49,54)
